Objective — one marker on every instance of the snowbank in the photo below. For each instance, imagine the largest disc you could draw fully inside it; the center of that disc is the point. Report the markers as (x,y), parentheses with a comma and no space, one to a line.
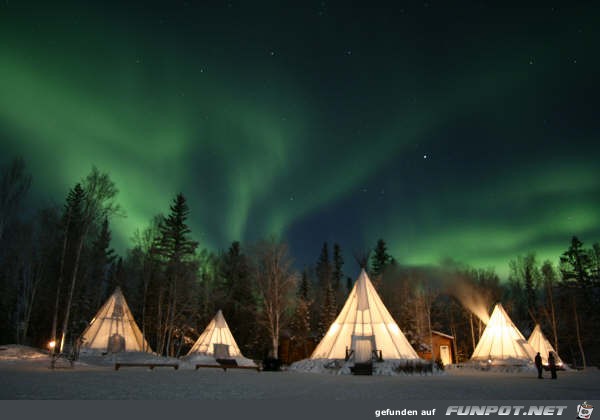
(16,352)
(494,367)
(393,367)
(124,357)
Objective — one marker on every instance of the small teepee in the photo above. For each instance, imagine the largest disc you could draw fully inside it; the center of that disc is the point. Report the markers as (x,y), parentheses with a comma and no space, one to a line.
(537,340)
(363,328)
(217,342)
(113,329)
(502,343)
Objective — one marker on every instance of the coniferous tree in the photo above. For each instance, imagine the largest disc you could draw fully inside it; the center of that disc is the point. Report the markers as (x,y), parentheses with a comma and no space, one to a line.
(595,264)
(98,204)
(239,304)
(525,275)
(300,323)
(549,279)
(325,302)
(102,256)
(338,263)
(576,268)
(575,265)
(177,249)
(380,259)
(328,311)
(323,268)
(72,224)
(338,275)
(304,287)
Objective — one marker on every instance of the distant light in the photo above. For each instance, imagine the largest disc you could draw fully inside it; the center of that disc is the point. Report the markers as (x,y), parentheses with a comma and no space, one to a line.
(424,156)
(51,344)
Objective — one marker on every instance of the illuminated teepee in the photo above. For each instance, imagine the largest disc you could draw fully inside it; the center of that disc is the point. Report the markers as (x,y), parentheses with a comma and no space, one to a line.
(113,329)
(502,343)
(364,326)
(537,340)
(216,341)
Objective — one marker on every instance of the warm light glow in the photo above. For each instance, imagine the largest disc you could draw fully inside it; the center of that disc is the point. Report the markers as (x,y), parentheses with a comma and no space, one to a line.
(394,328)
(334,329)
(51,344)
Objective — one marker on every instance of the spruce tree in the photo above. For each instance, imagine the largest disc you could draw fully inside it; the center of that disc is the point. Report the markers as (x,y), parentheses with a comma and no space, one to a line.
(300,323)
(177,249)
(304,287)
(101,258)
(175,244)
(595,258)
(575,265)
(380,259)
(72,221)
(338,263)
(323,268)
(239,303)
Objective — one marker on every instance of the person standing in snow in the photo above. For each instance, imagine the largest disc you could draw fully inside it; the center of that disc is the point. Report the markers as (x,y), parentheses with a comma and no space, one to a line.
(552,363)
(538,364)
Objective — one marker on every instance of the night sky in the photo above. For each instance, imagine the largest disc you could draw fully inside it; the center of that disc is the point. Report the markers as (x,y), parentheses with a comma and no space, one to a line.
(467,130)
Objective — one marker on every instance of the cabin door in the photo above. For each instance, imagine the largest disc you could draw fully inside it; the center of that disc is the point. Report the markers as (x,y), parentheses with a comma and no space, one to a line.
(445,355)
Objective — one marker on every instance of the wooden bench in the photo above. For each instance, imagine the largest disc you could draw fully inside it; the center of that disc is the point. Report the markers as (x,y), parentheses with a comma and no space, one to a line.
(118,365)
(227,364)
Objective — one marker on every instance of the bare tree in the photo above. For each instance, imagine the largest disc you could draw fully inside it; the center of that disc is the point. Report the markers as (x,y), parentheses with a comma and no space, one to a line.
(147,242)
(99,204)
(275,282)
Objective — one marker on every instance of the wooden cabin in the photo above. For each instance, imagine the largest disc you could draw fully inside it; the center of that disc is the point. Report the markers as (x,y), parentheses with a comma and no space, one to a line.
(443,348)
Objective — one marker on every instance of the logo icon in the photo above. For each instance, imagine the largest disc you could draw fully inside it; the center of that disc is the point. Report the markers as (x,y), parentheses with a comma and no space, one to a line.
(584,410)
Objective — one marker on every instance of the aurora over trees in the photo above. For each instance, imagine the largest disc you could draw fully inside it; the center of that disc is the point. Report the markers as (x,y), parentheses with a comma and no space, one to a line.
(464,136)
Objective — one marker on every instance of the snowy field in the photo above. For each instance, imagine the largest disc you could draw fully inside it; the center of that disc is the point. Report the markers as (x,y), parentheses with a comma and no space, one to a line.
(27,376)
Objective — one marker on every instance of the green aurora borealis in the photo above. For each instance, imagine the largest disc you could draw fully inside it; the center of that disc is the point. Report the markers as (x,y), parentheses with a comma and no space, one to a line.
(466,131)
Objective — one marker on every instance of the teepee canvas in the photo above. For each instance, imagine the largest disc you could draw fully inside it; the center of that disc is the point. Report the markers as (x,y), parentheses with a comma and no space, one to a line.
(502,343)
(113,329)
(217,342)
(363,326)
(537,340)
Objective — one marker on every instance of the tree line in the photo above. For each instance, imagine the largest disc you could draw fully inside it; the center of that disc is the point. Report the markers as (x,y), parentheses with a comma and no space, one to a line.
(57,268)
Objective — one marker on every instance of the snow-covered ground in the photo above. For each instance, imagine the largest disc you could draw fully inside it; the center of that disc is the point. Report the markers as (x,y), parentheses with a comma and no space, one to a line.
(25,374)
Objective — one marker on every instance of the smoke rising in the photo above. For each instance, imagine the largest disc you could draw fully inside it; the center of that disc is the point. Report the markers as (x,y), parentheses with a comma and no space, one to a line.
(470,298)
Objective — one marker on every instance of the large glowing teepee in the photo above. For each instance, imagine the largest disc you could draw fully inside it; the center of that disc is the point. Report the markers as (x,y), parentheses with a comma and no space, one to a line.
(502,343)
(216,341)
(364,325)
(537,340)
(113,329)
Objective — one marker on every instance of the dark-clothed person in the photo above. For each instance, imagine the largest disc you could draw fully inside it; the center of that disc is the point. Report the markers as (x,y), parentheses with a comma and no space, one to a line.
(552,363)
(538,364)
